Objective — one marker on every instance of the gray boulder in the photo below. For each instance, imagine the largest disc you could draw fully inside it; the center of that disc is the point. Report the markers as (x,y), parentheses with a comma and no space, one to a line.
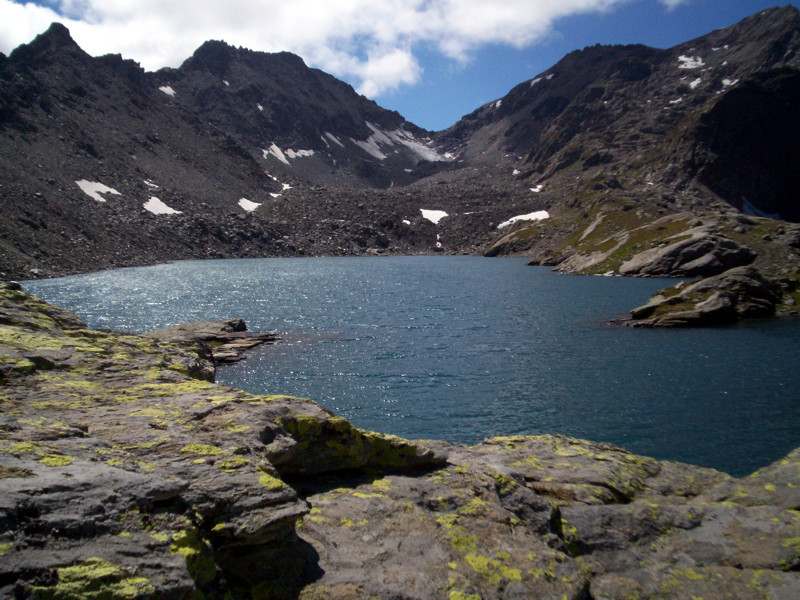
(736,294)
(697,256)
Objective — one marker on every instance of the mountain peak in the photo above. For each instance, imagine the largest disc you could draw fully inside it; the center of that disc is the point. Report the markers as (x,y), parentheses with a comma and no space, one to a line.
(53,42)
(213,56)
(216,56)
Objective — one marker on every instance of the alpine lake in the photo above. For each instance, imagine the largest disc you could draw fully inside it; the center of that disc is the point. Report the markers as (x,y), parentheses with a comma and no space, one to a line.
(464,348)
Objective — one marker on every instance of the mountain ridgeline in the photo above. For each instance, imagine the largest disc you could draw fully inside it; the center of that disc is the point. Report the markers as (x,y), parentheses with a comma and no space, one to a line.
(239,153)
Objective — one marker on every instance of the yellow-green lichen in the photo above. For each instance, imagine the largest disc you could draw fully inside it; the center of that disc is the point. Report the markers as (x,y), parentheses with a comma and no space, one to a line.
(199,562)
(93,579)
(458,595)
(382,484)
(460,540)
(268,480)
(5,547)
(202,449)
(23,448)
(494,571)
(476,506)
(56,460)
(148,412)
(505,484)
(233,464)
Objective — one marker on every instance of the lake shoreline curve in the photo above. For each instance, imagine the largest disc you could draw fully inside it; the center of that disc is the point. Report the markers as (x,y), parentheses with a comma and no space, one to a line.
(127,473)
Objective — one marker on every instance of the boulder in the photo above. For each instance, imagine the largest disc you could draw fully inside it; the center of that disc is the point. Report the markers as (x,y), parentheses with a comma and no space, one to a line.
(701,255)
(740,293)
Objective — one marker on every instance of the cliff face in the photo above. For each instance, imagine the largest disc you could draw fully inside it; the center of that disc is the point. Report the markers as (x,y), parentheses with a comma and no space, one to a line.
(125,474)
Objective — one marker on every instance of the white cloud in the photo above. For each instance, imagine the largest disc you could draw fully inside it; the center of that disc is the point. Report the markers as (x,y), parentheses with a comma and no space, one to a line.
(670,4)
(368,41)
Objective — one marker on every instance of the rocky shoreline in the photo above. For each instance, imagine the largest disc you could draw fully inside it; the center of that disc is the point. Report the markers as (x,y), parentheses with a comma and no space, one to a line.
(126,473)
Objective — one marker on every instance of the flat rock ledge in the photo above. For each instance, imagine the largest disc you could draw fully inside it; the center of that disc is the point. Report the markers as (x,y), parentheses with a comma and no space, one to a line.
(124,475)
(227,340)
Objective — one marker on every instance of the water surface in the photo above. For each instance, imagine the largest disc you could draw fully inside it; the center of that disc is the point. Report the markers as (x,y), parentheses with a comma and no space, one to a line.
(461,348)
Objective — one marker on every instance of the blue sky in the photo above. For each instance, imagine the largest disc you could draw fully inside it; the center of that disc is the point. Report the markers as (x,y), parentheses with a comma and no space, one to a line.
(431,60)
(447,92)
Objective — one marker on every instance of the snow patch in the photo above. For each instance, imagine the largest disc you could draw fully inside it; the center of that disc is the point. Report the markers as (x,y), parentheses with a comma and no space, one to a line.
(398,137)
(167,89)
(299,153)
(406,222)
(150,184)
(370,146)
(225,81)
(549,77)
(286,186)
(498,104)
(333,138)
(93,189)
(515,172)
(434,216)
(261,108)
(535,81)
(248,205)
(729,82)
(274,195)
(538,188)
(408,170)
(157,207)
(277,153)
(695,83)
(690,62)
(534,216)
(676,101)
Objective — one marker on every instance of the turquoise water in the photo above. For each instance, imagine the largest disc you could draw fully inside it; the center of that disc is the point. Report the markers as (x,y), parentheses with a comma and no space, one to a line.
(461,348)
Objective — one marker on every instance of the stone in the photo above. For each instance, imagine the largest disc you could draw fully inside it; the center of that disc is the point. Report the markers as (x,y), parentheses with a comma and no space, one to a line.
(700,254)
(226,340)
(740,293)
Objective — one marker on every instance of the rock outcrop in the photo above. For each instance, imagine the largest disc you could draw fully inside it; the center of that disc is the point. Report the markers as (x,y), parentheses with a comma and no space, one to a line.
(124,476)
(737,294)
(227,340)
(697,254)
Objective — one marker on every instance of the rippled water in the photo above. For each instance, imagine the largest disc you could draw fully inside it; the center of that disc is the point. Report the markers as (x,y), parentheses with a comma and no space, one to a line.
(461,348)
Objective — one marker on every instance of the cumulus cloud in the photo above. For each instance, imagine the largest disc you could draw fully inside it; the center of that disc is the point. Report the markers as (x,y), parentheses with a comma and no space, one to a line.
(372,42)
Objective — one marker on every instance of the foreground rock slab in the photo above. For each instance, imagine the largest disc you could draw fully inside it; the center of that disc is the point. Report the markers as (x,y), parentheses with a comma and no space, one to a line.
(124,475)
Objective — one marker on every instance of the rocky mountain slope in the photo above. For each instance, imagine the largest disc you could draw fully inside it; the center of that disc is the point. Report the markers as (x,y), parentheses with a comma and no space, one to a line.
(239,153)
(706,120)
(301,121)
(126,473)
(105,165)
